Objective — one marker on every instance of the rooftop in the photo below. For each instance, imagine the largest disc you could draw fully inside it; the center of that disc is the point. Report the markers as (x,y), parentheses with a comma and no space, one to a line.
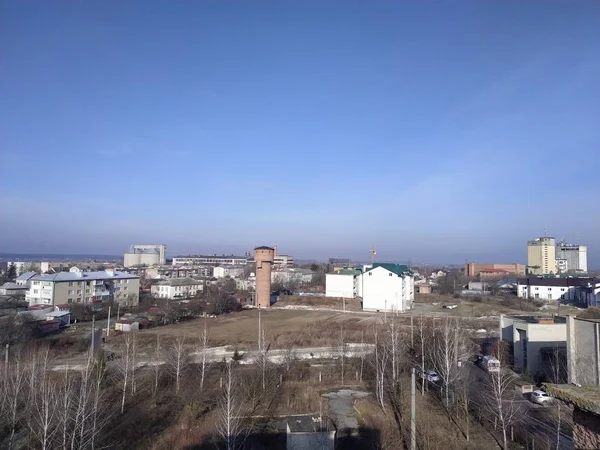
(538,319)
(583,397)
(345,271)
(26,276)
(10,285)
(212,256)
(179,282)
(74,276)
(309,424)
(398,269)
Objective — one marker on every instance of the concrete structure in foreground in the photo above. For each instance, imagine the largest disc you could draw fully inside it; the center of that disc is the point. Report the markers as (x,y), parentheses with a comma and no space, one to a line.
(145,255)
(84,287)
(583,351)
(310,432)
(541,256)
(473,269)
(539,345)
(386,287)
(263,257)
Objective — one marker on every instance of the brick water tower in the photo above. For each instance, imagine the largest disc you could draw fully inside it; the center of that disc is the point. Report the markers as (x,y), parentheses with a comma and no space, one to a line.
(263,257)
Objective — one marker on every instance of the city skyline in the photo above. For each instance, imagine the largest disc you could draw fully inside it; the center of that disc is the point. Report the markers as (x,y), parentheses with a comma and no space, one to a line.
(438,134)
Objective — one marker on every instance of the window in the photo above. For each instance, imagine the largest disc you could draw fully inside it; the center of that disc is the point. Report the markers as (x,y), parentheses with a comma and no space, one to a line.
(70,300)
(562,289)
(536,289)
(537,295)
(35,291)
(70,292)
(70,283)
(549,289)
(370,273)
(36,282)
(391,274)
(79,291)
(87,291)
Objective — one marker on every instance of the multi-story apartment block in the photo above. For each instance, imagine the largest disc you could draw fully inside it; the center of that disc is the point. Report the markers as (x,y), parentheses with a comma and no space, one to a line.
(177,288)
(228,271)
(145,255)
(541,256)
(386,287)
(84,287)
(214,260)
(571,258)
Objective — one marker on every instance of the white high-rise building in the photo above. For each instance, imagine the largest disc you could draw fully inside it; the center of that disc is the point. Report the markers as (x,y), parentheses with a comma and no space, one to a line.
(571,258)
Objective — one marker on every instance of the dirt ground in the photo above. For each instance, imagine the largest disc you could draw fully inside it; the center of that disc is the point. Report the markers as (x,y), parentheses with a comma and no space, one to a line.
(283,327)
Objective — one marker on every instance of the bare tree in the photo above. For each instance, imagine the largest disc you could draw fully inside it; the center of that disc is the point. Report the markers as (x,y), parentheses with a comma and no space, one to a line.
(204,344)
(124,365)
(178,361)
(500,398)
(380,362)
(13,394)
(229,425)
(422,341)
(395,343)
(342,353)
(445,355)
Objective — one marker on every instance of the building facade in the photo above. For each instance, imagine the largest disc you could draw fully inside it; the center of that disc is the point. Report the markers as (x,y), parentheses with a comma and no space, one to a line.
(386,287)
(84,287)
(145,255)
(341,283)
(213,260)
(571,258)
(473,269)
(177,288)
(228,271)
(572,289)
(541,256)
(292,276)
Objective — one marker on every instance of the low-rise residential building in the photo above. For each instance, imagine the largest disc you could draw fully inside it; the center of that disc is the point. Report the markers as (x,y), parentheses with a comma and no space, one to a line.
(228,271)
(213,260)
(538,345)
(176,288)
(341,283)
(84,287)
(552,288)
(386,287)
(24,278)
(169,271)
(10,288)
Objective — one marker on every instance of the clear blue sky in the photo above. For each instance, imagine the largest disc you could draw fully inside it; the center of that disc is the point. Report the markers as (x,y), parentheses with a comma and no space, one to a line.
(437,131)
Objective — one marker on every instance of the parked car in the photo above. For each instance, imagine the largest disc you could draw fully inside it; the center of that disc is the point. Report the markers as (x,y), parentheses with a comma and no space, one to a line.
(487,363)
(541,398)
(430,375)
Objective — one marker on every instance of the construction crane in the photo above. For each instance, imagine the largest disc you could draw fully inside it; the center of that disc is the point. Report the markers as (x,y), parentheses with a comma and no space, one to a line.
(373,253)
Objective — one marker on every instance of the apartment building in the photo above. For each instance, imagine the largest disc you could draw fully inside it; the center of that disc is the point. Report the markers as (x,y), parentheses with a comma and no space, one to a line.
(213,260)
(571,258)
(340,283)
(565,288)
(473,269)
(84,287)
(228,271)
(177,288)
(541,256)
(386,287)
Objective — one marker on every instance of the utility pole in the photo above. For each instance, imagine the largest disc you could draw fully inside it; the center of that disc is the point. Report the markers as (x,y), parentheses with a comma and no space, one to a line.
(412,331)
(108,326)
(413,421)
(6,361)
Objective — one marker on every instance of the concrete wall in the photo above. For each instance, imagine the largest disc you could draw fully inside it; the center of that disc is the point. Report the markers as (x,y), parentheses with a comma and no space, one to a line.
(583,351)
(338,285)
(324,440)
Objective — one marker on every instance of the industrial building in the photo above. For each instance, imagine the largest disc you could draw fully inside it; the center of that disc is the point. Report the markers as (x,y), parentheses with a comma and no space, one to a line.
(282,261)
(263,257)
(473,269)
(541,256)
(83,287)
(538,344)
(175,288)
(228,271)
(213,260)
(145,255)
(386,287)
(571,258)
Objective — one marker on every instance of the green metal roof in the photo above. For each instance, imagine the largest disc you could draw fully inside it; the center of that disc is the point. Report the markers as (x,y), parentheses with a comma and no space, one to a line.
(345,272)
(398,269)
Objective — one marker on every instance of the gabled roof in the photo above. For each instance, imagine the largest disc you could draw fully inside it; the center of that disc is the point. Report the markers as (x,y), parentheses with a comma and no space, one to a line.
(83,276)
(398,269)
(26,276)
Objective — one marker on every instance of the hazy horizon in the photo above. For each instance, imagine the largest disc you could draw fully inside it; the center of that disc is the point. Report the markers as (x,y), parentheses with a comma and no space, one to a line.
(438,132)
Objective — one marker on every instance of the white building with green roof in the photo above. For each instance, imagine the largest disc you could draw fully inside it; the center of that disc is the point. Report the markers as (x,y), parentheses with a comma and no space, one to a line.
(386,287)
(341,283)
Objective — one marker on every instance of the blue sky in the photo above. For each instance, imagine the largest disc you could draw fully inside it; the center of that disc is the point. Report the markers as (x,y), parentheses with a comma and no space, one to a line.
(437,131)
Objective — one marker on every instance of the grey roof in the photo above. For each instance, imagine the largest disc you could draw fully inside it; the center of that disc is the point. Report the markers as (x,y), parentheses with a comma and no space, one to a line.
(26,276)
(179,282)
(73,276)
(9,285)
(307,424)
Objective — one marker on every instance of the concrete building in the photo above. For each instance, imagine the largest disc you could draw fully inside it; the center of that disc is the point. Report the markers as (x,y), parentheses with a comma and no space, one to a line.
(84,287)
(282,261)
(341,283)
(571,258)
(583,351)
(20,266)
(538,343)
(310,432)
(213,260)
(386,287)
(292,276)
(571,289)
(473,269)
(339,262)
(145,255)
(169,271)
(541,256)
(24,278)
(228,271)
(263,257)
(14,289)
(177,288)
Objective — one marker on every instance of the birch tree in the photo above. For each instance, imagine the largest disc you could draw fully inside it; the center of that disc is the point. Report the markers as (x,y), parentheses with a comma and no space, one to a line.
(124,366)
(156,365)
(422,340)
(14,394)
(229,424)
(446,354)
(178,361)
(204,345)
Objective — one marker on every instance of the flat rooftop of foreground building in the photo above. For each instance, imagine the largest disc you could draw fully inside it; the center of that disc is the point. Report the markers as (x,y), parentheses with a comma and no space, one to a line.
(586,398)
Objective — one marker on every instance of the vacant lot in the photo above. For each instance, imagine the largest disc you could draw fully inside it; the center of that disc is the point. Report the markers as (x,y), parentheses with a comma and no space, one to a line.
(298,328)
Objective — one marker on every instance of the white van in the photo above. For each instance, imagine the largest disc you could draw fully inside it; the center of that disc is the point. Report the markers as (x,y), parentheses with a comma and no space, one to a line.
(490,364)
